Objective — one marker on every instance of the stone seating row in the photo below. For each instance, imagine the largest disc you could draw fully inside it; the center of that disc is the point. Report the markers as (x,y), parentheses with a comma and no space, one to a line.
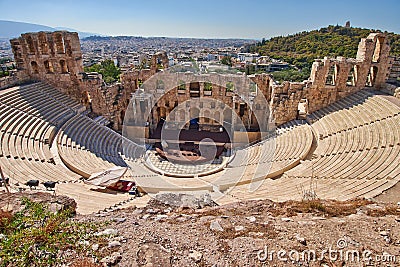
(29,121)
(87,147)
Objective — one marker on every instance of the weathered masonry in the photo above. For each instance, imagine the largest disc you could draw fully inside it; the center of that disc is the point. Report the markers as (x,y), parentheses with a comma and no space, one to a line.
(56,58)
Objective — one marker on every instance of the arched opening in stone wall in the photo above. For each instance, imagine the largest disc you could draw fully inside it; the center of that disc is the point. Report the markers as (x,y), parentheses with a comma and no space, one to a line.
(44,48)
(242,109)
(254,117)
(194,118)
(160,115)
(206,116)
(63,66)
(86,99)
(332,75)
(352,77)
(48,66)
(302,109)
(60,46)
(68,48)
(122,115)
(378,48)
(35,67)
(371,76)
(161,62)
(31,46)
(194,88)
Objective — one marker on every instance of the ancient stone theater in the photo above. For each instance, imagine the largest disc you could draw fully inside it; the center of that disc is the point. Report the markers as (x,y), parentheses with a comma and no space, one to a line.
(183,129)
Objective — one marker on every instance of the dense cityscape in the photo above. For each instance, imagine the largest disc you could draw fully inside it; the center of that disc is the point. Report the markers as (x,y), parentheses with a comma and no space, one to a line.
(129,52)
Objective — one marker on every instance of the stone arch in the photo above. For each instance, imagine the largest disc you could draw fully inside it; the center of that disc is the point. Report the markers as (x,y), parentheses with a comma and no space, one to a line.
(44,48)
(68,48)
(352,76)
(180,81)
(206,116)
(378,48)
(194,88)
(48,66)
(161,113)
(242,109)
(332,75)
(371,77)
(60,46)
(302,108)
(35,67)
(31,46)
(194,112)
(63,66)
(159,61)
(86,99)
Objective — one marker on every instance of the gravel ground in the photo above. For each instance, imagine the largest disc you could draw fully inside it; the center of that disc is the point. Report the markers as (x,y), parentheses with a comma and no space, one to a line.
(196,232)
(256,233)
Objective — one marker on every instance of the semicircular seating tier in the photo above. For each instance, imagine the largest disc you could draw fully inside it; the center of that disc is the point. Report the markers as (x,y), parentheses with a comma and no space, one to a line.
(357,153)
(87,147)
(348,149)
(30,117)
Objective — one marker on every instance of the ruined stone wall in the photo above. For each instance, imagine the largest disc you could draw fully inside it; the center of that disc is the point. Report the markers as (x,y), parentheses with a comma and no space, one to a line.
(54,57)
(205,94)
(9,81)
(331,79)
(111,101)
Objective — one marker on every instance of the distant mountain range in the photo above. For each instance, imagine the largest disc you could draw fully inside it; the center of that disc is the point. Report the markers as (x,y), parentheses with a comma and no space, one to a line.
(12,29)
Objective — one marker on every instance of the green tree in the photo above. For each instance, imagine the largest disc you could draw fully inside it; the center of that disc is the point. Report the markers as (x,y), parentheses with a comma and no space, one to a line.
(107,68)
(227,60)
(302,48)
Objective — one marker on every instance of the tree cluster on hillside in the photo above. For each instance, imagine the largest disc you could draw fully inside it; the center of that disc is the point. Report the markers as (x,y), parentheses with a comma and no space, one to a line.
(302,48)
(291,75)
(107,68)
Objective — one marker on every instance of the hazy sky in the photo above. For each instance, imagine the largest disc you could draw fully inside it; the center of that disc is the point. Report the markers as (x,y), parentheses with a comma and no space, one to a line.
(203,18)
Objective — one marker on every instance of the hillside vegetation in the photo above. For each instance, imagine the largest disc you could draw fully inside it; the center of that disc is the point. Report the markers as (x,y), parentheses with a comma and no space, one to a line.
(302,48)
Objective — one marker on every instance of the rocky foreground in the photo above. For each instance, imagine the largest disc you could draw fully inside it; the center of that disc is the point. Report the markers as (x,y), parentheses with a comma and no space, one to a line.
(180,230)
